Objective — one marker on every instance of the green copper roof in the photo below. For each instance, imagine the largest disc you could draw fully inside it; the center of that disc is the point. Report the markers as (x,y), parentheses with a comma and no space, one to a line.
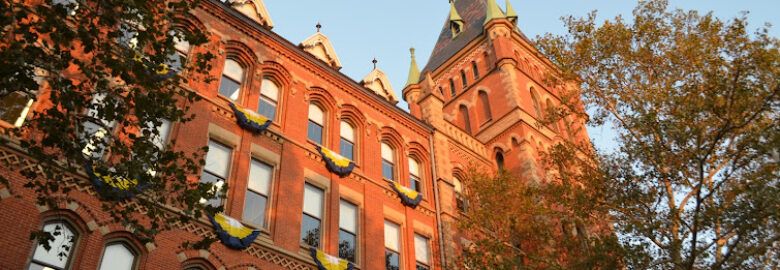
(510,12)
(414,71)
(454,16)
(493,11)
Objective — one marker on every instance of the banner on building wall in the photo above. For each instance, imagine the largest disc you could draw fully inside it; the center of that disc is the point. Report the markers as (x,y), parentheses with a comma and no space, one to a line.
(335,162)
(250,120)
(408,196)
(232,233)
(112,186)
(328,262)
(160,73)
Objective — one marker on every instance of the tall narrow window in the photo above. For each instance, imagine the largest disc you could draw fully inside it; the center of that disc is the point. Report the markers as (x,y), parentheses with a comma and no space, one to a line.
(554,125)
(568,128)
(269,96)
(118,256)
(232,78)
(463,79)
(485,105)
(392,246)
(216,170)
(347,145)
(14,108)
(311,222)
(163,133)
(62,248)
(535,101)
(257,190)
(441,91)
(182,49)
(348,214)
(414,175)
(500,160)
(421,252)
(475,70)
(316,123)
(460,201)
(95,133)
(388,161)
(464,113)
(452,88)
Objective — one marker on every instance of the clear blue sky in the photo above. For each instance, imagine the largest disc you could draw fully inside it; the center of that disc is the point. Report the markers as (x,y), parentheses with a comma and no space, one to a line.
(363,29)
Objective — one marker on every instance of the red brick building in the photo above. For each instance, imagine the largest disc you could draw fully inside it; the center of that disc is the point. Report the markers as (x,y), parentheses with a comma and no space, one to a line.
(476,101)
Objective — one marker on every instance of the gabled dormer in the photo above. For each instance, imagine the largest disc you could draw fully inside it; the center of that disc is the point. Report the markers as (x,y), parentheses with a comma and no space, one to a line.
(319,45)
(378,82)
(455,21)
(253,9)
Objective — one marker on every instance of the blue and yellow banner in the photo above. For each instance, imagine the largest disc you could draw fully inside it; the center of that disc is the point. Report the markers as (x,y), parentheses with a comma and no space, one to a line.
(335,162)
(232,233)
(408,196)
(328,262)
(113,187)
(160,73)
(250,120)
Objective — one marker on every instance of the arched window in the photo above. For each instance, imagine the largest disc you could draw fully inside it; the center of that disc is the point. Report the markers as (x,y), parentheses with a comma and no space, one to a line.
(415,179)
(500,160)
(460,200)
(464,113)
(347,144)
(63,246)
(535,100)
(269,98)
(316,123)
(463,79)
(388,161)
(554,125)
(475,70)
(182,47)
(118,256)
(232,78)
(452,88)
(485,105)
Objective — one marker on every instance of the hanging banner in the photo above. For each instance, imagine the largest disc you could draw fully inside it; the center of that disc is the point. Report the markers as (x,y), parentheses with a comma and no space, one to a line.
(408,196)
(335,162)
(232,233)
(328,262)
(250,120)
(113,187)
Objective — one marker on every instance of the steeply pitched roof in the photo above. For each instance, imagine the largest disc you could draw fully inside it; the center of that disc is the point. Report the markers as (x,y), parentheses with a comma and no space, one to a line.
(474,13)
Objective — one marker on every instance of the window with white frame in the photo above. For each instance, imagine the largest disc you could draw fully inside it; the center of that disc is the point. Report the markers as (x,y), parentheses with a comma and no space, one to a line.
(182,49)
(348,228)
(232,78)
(460,201)
(347,145)
(388,161)
(62,248)
(311,223)
(216,170)
(422,252)
(118,256)
(316,123)
(269,98)
(392,246)
(258,189)
(96,129)
(415,181)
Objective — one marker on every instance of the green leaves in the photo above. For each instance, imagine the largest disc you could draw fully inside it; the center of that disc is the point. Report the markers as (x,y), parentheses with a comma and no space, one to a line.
(694,101)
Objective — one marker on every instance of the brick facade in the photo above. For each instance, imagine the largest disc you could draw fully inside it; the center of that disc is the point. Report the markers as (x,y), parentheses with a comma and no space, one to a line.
(497,102)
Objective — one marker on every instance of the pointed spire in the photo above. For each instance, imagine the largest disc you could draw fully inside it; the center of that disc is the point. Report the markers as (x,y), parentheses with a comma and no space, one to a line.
(493,11)
(374,61)
(510,13)
(414,71)
(454,16)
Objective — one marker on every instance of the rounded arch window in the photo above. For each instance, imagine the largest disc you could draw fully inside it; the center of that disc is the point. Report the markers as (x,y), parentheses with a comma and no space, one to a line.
(388,161)
(316,123)
(269,98)
(61,247)
(415,175)
(232,79)
(347,142)
(500,160)
(118,255)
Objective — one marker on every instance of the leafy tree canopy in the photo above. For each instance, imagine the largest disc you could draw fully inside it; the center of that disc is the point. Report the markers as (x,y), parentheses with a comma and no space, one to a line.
(105,76)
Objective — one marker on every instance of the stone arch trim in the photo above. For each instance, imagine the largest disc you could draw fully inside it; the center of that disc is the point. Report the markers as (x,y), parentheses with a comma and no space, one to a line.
(201,256)
(353,115)
(394,138)
(189,21)
(241,53)
(323,98)
(277,72)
